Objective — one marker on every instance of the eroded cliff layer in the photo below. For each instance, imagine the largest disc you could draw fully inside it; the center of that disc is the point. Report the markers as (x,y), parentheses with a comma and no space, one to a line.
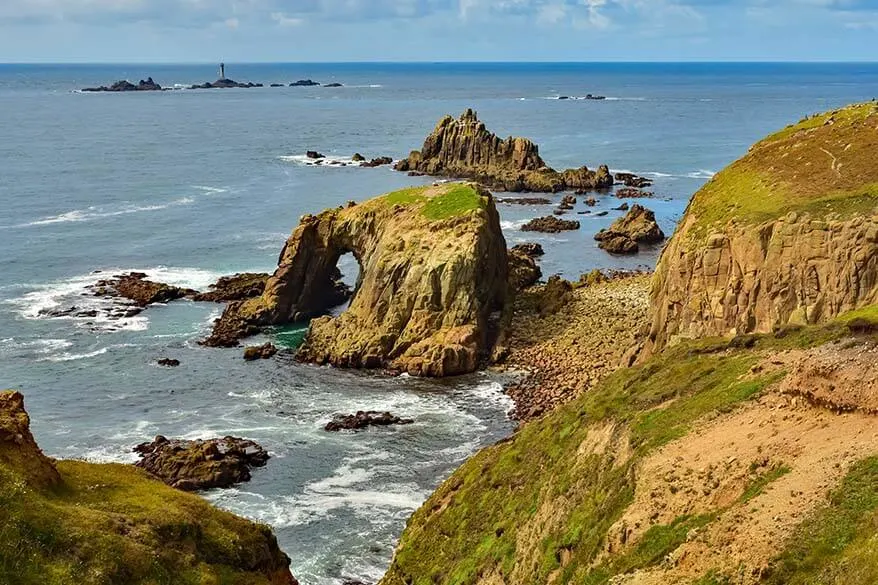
(101,524)
(433,270)
(787,234)
(464,148)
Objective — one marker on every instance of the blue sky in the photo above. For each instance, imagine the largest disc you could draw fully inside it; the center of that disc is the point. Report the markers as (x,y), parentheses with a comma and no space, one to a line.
(437,30)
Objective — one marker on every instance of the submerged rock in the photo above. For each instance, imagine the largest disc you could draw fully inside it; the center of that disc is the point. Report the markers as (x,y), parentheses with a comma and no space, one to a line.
(464,148)
(123,86)
(201,464)
(168,362)
(135,287)
(260,352)
(550,225)
(638,226)
(433,269)
(363,419)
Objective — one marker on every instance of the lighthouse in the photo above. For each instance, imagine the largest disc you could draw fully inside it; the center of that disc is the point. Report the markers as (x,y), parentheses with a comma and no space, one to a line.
(222,71)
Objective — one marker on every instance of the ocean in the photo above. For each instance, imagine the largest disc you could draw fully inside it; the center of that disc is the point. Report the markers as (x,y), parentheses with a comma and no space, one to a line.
(189,185)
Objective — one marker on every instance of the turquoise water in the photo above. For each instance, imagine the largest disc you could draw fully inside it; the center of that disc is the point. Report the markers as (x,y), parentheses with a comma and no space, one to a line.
(190,185)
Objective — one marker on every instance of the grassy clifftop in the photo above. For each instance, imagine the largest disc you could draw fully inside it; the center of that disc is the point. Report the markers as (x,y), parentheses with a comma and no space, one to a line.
(628,479)
(74,522)
(824,164)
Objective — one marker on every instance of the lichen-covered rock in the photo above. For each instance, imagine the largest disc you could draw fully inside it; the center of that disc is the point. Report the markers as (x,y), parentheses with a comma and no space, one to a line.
(532,249)
(787,234)
(234,288)
(201,464)
(638,226)
(93,524)
(260,352)
(464,148)
(433,271)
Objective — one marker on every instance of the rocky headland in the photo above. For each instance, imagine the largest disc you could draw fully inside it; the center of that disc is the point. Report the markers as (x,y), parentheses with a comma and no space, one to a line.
(464,148)
(742,446)
(95,524)
(432,286)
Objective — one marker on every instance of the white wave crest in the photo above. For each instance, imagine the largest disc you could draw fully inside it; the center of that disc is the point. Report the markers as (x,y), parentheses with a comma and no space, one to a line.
(95,212)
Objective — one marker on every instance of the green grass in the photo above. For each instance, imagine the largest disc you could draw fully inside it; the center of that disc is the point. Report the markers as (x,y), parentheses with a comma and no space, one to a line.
(454,200)
(113,525)
(838,544)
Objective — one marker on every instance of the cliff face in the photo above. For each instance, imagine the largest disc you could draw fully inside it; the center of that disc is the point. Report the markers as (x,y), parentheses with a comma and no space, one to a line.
(75,522)
(433,270)
(465,148)
(787,234)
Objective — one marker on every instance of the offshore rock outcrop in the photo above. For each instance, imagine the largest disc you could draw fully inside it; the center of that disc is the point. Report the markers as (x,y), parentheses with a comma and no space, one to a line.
(464,148)
(433,272)
(124,86)
(625,235)
(787,234)
(79,522)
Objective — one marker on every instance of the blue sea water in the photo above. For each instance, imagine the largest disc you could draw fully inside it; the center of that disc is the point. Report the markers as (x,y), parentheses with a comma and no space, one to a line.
(190,185)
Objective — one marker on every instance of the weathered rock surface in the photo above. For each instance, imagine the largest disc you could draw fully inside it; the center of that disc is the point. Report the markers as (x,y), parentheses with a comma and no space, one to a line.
(112,523)
(364,419)
(638,226)
(377,162)
(550,225)
(135,287)
(122,86)
(523,269)
(464,148)
(260,352)
(237,287)
(787,234)
(201,464)
(632,180)
(531,249)
(433,271)
(632,193)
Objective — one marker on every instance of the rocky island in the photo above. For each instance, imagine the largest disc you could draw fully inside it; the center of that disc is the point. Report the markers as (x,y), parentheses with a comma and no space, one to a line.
(464,148)
(124,86)
(741,448)
(431,293)
(76,522)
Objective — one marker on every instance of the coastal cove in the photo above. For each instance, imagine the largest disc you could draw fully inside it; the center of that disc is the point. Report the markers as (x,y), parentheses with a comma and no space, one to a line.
(187,186)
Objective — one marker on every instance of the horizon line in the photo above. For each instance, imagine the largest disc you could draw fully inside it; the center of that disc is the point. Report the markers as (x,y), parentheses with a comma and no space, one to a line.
(464,62)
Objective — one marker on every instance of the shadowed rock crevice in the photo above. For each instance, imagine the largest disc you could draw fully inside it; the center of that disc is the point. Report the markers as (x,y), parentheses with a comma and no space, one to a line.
(433,271)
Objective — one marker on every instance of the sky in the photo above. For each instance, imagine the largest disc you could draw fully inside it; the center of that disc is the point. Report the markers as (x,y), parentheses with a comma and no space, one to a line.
(190,31)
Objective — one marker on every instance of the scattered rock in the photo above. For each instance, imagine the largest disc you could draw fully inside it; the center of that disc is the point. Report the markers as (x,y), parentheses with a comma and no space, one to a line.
(225,84)
(550,225)
(554,295)
(623,207)
(529,249)
(333,85)
(377,162)
(591,202)
(313,155)
(632,193)
(523,269)
(304,83)
(168,362)
(464,148)
(632,180)
(123,86)
(523,200)
(260,352)
(237,287)
(201,464)
(277,85)
(358,157)
(135,287)
(638,226)
(364,419)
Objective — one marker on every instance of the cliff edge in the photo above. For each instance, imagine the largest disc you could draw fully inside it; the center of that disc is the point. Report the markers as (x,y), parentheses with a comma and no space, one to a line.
(787,234)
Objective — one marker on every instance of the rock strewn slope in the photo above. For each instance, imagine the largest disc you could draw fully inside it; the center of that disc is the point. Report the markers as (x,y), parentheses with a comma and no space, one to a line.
(107,524)
(433,271)
(787,234)
(464,148)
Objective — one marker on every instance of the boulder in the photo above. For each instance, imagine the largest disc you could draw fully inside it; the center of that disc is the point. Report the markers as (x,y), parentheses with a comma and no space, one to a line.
(168,362)
(237,287)
(259,352)
(314,155)
(464,148)
(523,270)
(358,157)
(591,202)
(554,295)
(364,419)
(529,249)
(638,226)
(201,464)
(135,287)
(549,225)
(433,270)
(377,162)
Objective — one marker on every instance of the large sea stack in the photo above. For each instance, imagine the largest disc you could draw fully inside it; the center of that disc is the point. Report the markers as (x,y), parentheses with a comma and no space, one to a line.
(464,148)
(433,271)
